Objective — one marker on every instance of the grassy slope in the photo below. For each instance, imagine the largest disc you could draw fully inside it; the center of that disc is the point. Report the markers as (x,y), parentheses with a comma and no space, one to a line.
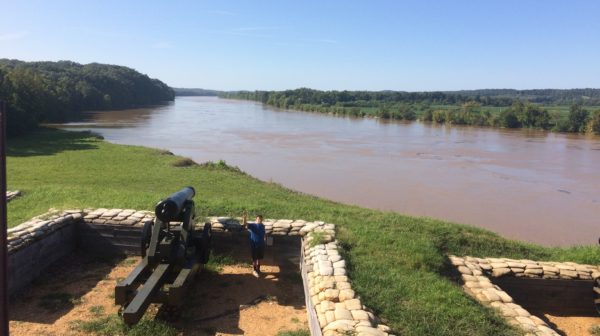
(397,262)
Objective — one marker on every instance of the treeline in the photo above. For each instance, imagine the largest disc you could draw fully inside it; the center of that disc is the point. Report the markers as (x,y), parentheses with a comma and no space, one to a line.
(519,115)
(499,108)
(59,91)
(587,97)
(303,96)
(488,97)
(187,92)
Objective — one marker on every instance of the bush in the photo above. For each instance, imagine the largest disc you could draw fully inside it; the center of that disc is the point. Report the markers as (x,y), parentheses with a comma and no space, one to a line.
(593,125)
(578,118)
(509,119)
(406,112)
(221,165)
(534,116)
(439,116)
(184,162)
(383,112)
(562,126)
(427,115)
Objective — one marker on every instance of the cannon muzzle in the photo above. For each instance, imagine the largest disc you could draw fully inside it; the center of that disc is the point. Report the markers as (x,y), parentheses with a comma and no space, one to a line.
(169,209)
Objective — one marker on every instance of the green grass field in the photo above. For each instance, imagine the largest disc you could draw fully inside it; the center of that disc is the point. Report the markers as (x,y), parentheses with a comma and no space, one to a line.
(398,263)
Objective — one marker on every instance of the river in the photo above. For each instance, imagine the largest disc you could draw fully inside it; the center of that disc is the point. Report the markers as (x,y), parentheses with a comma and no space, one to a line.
(529,185)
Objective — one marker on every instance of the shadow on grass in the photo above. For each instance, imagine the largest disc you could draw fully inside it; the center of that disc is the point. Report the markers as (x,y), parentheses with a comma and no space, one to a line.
(49,141)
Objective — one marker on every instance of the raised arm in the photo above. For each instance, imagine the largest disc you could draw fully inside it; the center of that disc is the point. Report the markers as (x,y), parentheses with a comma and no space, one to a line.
(245,219)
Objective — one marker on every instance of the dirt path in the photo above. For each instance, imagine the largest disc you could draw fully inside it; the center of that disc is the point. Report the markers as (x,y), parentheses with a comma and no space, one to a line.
(215,304)
(82,289)
(570,325)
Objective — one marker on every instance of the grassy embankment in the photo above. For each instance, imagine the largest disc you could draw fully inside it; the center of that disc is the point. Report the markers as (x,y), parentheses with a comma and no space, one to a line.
(398,263)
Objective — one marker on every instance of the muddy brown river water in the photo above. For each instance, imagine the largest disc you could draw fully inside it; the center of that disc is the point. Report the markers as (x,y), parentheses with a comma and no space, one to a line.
(529,185)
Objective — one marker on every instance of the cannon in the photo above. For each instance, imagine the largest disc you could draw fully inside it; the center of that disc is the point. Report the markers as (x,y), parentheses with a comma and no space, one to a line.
(172,254)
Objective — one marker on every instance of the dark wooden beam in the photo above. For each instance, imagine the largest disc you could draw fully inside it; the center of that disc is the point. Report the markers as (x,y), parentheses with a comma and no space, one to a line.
(136,309)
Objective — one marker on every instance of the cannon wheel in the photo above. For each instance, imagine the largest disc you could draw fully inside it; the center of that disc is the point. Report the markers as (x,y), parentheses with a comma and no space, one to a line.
(203,244)
(146,236)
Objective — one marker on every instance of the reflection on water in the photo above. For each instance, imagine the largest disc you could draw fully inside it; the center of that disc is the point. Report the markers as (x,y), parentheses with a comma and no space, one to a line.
(525,184)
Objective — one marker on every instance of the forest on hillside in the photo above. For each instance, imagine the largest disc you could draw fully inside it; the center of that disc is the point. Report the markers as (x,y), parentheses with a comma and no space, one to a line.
(37,92)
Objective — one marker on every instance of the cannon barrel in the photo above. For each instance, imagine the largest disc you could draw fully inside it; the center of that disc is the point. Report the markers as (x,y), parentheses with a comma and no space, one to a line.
(169,209)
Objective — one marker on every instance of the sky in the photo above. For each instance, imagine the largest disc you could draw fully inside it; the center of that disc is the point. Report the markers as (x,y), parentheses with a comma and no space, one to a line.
(328,45)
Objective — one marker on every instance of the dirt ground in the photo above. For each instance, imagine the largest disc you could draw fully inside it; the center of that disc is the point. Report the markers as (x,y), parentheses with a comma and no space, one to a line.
(230,302)
(570,325)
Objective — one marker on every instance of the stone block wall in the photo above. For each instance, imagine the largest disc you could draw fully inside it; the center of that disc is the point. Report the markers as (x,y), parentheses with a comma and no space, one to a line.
(127,217)
(38,228)
(338,308)
(37,244)
(476,273)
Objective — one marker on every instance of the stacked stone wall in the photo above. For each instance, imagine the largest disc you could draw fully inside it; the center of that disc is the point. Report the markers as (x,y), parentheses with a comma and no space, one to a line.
(477,272)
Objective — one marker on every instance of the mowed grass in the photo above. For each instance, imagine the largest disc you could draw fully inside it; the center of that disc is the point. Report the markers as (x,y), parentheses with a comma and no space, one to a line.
(398,263)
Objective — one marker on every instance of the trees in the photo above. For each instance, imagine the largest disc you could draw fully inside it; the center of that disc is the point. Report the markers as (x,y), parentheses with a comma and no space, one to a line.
(534,116)
(495,97)
(593,124)
(457,107)
(509,119)
(578,117)
(59,91)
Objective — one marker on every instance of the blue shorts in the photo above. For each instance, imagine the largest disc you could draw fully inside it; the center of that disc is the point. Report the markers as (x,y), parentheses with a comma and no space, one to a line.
(258,251)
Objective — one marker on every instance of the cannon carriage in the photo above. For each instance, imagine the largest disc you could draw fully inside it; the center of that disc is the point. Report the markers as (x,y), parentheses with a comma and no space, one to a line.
(172,251)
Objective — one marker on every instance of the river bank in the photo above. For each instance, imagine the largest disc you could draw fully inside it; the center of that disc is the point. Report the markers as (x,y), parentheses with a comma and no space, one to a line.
(76,170)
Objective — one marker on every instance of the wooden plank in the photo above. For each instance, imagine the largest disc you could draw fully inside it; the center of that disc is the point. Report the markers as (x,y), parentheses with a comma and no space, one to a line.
(177,290)
(154,240)
(136,309)
(126,287)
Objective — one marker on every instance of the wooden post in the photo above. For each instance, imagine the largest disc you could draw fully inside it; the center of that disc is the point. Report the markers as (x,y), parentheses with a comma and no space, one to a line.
(3,226)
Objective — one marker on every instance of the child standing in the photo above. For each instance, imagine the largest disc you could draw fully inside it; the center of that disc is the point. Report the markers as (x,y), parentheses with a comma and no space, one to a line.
(257,241)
